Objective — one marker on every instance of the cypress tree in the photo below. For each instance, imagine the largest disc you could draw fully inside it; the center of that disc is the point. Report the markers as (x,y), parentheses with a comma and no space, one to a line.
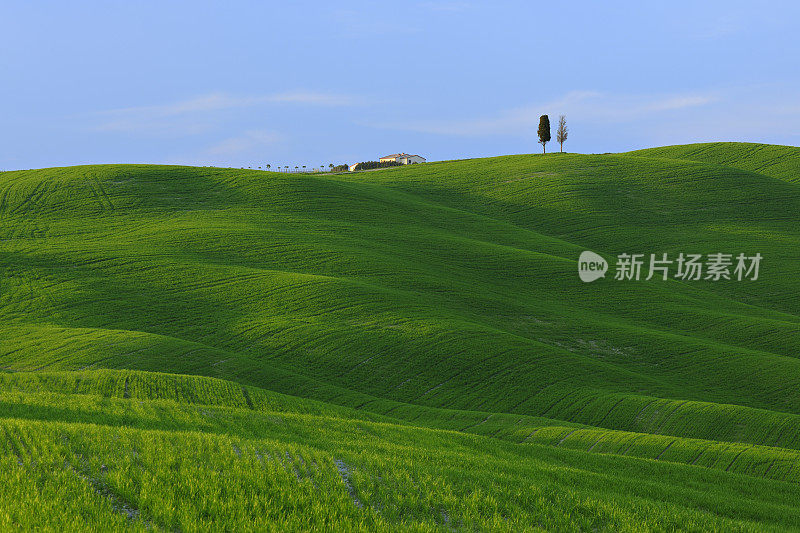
(544,131)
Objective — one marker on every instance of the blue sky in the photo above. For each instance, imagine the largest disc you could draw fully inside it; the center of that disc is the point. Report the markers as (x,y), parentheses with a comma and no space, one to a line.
(307,83)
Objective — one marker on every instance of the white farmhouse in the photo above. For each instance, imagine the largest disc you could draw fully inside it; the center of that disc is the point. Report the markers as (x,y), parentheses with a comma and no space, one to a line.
(403,159)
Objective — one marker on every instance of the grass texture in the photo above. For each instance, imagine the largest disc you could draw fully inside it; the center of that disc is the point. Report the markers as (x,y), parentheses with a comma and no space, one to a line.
(411,348)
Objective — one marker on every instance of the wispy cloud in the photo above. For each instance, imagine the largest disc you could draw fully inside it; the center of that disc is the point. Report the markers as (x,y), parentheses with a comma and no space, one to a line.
(191,115)
(727,25)
(242,144)
(446,6)
(218,101)
(365,23)
(589,105)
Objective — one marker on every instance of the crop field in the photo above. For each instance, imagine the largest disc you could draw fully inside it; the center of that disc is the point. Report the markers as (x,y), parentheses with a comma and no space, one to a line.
(187,348)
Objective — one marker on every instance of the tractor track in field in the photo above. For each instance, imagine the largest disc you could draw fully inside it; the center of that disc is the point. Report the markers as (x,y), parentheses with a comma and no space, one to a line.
(727,469)
(565,437)
(120,505)
(344,473)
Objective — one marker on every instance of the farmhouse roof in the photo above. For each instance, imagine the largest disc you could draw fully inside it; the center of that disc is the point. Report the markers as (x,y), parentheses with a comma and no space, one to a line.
(400,155)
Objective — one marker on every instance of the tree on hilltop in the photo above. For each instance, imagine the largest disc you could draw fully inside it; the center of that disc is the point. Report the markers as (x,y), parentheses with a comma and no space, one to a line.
(562,131)
(544,131)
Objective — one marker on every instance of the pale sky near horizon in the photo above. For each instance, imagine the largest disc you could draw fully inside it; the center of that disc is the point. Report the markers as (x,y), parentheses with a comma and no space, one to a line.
(307,83)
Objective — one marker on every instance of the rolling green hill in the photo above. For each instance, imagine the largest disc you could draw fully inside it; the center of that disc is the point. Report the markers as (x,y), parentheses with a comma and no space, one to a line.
(410,347)
(782,162)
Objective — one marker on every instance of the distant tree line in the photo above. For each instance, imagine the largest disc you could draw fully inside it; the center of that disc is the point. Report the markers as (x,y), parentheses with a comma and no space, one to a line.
(369,165)
(304,169)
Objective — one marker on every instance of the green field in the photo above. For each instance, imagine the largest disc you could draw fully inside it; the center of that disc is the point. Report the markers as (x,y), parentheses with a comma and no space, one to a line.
(190,348)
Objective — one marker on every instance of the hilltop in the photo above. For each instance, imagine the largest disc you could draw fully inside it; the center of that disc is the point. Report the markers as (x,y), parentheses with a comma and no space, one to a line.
(410,347)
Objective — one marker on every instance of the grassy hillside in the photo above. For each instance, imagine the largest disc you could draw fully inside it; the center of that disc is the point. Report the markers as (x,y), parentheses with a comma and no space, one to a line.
(781,162)
(143,457)
(418,335)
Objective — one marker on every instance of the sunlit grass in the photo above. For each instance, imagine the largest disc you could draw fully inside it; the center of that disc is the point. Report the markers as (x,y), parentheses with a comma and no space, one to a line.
(423,326)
